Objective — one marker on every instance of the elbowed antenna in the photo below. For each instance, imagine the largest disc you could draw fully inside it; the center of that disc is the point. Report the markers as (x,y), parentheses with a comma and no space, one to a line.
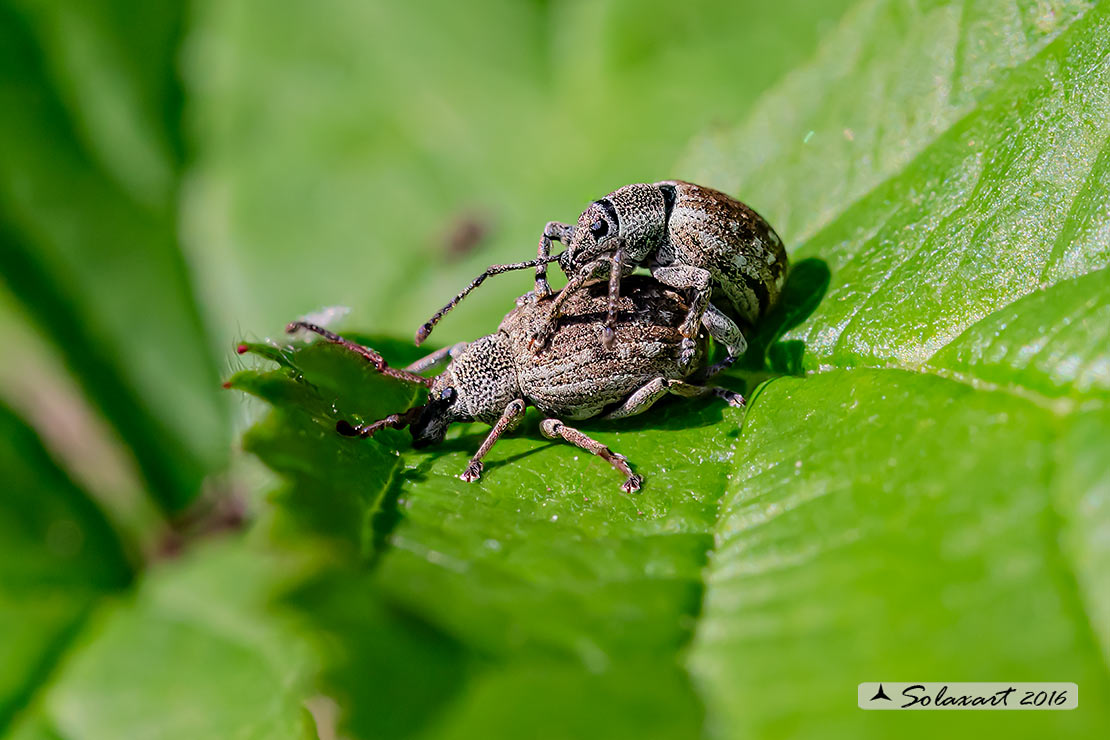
(368,354)
(393,421)
(423,332)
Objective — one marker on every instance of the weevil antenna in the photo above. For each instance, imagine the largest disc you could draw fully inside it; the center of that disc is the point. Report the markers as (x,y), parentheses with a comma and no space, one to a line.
(423,332)
(393,421)
(368,354)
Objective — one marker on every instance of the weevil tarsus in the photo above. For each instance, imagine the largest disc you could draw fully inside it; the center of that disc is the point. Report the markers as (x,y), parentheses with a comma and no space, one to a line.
(555,429)
(510,417)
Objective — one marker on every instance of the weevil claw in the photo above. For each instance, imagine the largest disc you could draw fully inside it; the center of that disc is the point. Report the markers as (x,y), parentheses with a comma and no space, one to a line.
(608,338)
(633,483)
(472,473)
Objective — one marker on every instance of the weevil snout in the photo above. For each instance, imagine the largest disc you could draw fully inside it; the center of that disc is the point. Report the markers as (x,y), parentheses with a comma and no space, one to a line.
(430,427)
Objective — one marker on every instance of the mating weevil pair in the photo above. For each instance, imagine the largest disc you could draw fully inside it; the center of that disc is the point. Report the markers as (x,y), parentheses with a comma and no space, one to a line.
(690,237)
(546,352)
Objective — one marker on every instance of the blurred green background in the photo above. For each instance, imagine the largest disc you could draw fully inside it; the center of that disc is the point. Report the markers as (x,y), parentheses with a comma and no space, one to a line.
(178,177)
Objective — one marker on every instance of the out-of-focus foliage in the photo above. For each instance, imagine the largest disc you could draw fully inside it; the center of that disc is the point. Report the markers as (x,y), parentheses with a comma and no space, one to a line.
(58,556)
(88,215)
(922,496)
(341,143)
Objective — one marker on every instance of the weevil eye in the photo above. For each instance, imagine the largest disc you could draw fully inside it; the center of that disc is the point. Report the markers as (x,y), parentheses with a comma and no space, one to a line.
(448,395)
(599,228)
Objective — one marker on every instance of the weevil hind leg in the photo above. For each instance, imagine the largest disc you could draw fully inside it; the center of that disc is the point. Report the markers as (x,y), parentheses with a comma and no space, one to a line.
(644,397)
(510,417)
(555,429)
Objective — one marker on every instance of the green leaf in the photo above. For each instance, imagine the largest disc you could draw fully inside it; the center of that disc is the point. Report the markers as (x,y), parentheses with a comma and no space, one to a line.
(193,653)
(87,196)
(927,503)
(58,558)
(909,527)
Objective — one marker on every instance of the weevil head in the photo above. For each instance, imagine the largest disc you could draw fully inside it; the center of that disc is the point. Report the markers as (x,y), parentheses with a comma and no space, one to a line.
(476,385)
(438,413)
(635,216)
(595,234)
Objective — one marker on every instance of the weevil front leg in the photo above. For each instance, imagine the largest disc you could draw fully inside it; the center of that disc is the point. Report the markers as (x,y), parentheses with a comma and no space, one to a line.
(510,417)
(616,268)
(554,230)
(555,429)
(597,268)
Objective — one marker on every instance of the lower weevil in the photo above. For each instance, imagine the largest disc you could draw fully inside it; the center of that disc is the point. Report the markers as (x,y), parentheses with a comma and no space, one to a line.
(494,378)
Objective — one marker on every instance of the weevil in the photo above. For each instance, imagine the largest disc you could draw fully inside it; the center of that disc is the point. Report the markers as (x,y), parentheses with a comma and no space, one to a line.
(693,238)
(495,378)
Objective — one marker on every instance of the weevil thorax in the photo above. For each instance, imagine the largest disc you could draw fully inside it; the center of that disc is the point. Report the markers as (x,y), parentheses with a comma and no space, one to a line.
(635,213)
(476,385)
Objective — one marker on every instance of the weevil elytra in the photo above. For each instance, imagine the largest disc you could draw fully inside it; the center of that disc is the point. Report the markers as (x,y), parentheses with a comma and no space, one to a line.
(724,254)
(493,379)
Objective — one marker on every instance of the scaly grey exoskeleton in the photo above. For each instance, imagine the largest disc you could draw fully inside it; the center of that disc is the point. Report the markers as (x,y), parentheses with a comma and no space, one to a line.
(691,237)
(494,378)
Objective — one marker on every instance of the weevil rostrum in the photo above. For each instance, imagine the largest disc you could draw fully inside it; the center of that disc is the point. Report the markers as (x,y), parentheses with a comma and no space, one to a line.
(723,254)
(495,378)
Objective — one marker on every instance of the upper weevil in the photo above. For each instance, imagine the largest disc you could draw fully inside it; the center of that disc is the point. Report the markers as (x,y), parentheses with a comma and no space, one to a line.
(690,237)
(494,378)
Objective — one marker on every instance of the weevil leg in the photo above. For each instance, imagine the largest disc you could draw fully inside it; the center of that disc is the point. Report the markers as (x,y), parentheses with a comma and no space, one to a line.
(724,330)
(555,429)
(557,231)
(597,268)
(700,282)
(393,421)
(436,359)
(615,269)
(644,397)
(370,355)
(510,417)
(732,398)
(426,329)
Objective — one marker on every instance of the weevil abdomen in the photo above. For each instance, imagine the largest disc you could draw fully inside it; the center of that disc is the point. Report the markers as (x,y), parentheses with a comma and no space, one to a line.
(576,377)
(712,231)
